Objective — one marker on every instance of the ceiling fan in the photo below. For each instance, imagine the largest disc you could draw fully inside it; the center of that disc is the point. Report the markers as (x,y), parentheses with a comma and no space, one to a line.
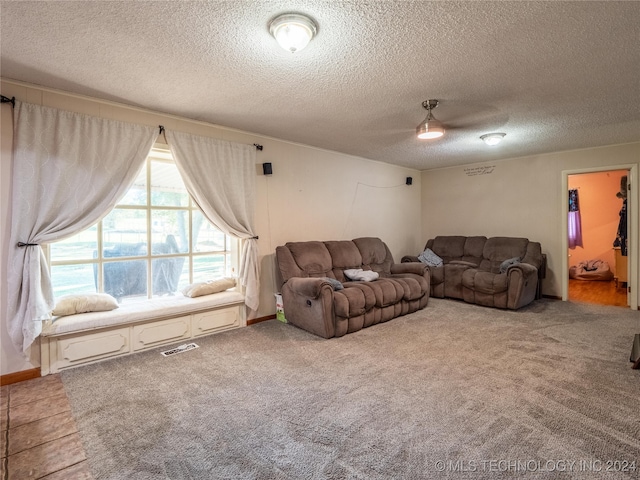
(431,128)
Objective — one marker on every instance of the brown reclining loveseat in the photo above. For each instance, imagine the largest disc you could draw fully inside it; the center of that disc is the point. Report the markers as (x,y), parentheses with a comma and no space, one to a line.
(320,298)
(502,272)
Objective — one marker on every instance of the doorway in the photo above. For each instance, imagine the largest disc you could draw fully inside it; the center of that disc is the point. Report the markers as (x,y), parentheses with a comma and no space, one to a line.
(597,214)
(597,217)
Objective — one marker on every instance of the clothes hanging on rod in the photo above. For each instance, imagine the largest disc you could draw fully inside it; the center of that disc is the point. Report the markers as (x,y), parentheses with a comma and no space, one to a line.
(621,234)
(621,237)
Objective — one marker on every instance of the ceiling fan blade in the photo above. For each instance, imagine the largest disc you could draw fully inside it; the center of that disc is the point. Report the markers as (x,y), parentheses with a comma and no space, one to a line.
(460,115)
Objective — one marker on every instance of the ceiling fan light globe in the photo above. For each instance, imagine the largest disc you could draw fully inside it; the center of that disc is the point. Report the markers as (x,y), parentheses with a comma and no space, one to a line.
(430,135)
(430,130)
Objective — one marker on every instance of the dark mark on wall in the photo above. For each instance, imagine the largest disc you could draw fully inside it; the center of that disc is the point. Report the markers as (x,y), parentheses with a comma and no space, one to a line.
(486,170)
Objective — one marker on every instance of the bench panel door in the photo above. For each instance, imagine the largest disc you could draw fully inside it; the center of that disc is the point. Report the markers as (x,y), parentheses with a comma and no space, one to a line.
(164,331)
(92,346)
(208,322)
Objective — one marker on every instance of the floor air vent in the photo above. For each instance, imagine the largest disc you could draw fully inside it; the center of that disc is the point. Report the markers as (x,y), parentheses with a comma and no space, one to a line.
(180,349)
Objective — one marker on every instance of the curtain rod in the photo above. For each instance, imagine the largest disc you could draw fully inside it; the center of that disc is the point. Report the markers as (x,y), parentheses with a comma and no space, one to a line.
(11,100)
(131,108)
(258,147)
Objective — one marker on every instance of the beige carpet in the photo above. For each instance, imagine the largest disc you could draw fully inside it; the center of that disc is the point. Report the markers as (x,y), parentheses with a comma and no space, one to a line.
(452,391)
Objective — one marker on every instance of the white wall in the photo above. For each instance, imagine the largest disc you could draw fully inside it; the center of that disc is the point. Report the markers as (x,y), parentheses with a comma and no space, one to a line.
(520,197)
(313,194)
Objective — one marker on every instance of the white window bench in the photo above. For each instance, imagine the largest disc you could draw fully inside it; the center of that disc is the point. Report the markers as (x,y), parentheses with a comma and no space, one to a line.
(84,338)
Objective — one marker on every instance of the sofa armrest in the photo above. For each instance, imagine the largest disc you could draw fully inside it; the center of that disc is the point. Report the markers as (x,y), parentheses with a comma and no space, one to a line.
(523,285)
(525,268)
(308,287)
(417,268)
(409,258)
(308,304)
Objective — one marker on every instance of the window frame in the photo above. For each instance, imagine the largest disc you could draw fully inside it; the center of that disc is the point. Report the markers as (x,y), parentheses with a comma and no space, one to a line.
(158,153)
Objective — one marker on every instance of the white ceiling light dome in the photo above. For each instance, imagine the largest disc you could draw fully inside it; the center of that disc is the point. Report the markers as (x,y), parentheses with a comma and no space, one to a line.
(492,139)
(293,31)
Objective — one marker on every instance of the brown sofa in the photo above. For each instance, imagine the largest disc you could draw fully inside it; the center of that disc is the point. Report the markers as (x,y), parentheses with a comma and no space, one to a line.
(471,270)
(319,298)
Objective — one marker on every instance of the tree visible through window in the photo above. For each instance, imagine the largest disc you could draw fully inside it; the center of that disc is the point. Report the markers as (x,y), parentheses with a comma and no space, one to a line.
(153,243)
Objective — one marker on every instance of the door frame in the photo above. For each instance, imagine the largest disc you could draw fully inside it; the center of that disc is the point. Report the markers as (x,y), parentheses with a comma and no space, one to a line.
(632,225)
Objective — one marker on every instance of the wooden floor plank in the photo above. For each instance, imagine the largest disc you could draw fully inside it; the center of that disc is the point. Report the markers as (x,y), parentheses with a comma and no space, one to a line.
(601,293)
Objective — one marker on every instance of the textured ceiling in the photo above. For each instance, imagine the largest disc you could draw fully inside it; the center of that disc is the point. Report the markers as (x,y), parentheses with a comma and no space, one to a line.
(552,75)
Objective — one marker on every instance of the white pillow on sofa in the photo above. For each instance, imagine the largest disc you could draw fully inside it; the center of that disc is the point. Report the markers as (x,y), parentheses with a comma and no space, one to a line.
(91,302)
(360,274)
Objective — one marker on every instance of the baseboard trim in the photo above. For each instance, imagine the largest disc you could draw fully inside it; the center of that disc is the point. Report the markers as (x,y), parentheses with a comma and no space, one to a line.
(253,321)
(22,376)
(552,297)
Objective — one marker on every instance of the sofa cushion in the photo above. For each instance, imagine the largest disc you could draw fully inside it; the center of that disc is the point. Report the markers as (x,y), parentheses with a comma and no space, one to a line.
(353,301)
(312,258)
(498,249)
(453,278)
(361,298)
(386,292)
(474,246)
(484,282)
(449,247)
(375,254)
(344,254)
(411,287)
(423,282)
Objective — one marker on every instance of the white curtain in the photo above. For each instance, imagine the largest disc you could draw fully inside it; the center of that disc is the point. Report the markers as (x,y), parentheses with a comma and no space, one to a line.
(220,176)
(69,170)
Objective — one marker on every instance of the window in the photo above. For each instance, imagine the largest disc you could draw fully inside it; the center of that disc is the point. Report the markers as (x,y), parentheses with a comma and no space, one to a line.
(153,243)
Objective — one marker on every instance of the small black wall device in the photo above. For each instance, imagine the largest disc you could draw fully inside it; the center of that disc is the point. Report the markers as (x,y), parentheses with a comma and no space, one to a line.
(409,180)
(266,169)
